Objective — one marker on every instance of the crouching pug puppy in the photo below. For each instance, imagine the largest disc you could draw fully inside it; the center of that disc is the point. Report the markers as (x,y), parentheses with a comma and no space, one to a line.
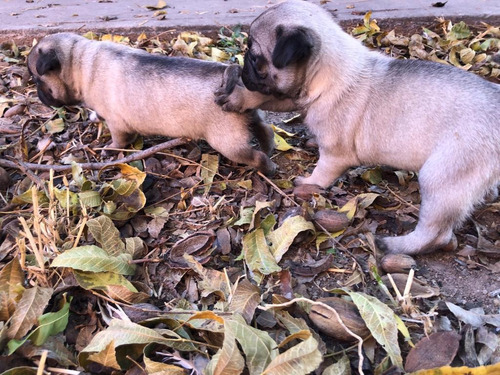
(141,93)
(365,108)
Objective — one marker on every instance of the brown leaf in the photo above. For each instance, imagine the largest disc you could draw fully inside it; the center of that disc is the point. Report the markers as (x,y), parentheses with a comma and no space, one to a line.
(437,350)
(245,300)
(29,308)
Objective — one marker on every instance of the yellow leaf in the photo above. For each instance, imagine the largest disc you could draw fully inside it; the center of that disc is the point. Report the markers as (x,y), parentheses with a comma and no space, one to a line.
(282,131)
(447,370)
(281,144)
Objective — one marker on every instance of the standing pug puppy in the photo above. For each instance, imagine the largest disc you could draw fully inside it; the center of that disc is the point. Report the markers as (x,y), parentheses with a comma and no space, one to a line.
(366,108)
(141,93)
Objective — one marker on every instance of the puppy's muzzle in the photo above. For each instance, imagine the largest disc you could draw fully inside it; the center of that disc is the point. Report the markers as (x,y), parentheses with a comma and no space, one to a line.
(251,77)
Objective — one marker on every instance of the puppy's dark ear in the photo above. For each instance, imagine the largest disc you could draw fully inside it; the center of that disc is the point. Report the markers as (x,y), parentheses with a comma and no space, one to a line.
(291,47)
(47,61)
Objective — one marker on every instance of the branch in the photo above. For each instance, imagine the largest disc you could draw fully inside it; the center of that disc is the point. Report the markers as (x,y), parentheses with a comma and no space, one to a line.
(95,166)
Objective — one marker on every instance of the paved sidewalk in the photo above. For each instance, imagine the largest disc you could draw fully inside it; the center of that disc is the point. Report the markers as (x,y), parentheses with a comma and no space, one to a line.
(24,19)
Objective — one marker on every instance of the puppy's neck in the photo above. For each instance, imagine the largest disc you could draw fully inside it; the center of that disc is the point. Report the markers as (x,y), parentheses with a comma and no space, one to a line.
(339,68)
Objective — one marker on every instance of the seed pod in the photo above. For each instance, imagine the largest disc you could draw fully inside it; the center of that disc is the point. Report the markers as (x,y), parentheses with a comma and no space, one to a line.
(331,220)
(397,263)
(327,322)
(306,192)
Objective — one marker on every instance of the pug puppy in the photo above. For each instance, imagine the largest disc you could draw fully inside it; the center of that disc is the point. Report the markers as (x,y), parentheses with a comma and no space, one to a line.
(141,93)
(365,108)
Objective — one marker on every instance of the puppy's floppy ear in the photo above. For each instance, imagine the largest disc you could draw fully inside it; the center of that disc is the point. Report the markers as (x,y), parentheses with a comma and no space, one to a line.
(47,61)
(294,46)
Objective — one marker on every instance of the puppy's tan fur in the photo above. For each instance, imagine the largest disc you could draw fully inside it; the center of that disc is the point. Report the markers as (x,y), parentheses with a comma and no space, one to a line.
(141,93)
(365,109)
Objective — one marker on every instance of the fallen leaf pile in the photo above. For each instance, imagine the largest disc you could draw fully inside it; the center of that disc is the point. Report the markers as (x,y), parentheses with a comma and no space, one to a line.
(180,262)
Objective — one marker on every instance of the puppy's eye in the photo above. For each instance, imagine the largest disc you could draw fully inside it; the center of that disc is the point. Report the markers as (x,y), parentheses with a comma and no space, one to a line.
(50,91)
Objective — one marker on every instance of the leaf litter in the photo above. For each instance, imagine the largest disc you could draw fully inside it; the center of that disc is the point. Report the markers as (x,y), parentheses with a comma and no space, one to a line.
(181,262)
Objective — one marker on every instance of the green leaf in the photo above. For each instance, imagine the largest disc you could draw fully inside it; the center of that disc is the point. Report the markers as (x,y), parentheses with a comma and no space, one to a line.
(293,325)
(77,174)
(373,176)
(259,348)
(124,187)
(94,259)
(259,206)
(246,215)
(209,168)
(459,31)
(125,333)
(105,233)
(29,308)
(257,254)
(50,324)
(381,322)
(66,198)
(27,197)
(101,280)
(90,198)
(300,359)
(134,245)
(342,367)
(55,126)
(283,237)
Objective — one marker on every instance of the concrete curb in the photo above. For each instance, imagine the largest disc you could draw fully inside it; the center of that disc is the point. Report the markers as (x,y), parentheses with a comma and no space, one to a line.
(23,21)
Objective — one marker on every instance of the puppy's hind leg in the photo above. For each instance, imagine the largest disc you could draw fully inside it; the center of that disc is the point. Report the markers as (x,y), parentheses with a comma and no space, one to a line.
(448,195)
(263,133)
(119,138)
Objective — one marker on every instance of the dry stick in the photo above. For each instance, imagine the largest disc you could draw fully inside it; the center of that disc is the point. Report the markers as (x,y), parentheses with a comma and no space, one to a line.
(401,200)
(275,187)
(95,166)
(339,319)
(41,365)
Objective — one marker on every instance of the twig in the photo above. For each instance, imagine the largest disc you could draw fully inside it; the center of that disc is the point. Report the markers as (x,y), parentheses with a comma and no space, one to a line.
(339,319)
(401,200)
(95,166)
(41,364)
(275,187)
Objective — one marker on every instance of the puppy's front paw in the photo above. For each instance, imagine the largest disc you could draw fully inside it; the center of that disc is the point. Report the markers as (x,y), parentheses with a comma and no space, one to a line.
(303,181)
(230,102)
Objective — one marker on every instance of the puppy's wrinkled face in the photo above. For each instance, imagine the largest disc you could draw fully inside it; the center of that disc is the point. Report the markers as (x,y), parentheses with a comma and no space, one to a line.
(276,62)
(45,64)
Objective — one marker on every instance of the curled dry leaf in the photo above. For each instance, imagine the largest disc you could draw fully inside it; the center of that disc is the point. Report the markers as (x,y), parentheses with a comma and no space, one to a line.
(331,220)
(199,245)
(437,350)
(397,263)
(327,322)
(418,288)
